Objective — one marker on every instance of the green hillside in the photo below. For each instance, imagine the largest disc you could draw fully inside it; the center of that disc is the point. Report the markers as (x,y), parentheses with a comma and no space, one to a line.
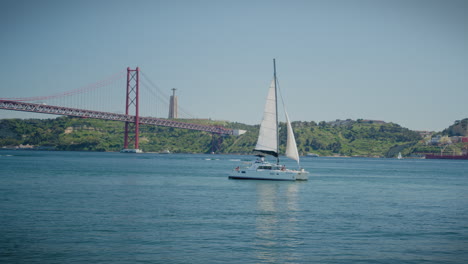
(459,128)
(354,138)
(344,138)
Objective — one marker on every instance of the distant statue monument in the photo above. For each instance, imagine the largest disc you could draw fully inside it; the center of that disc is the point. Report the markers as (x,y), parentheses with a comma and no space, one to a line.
(173,105)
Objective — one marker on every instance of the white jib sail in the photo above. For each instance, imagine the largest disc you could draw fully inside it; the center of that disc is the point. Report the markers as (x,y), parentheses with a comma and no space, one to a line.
(267,138)
(291,147)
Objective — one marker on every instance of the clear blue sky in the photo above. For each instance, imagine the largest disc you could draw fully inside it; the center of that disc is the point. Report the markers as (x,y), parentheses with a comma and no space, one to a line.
(399,61)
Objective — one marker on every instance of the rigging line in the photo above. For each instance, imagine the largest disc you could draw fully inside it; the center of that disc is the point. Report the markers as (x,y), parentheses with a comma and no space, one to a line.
(280,92)
(87,88)
(282,101)
(281,95)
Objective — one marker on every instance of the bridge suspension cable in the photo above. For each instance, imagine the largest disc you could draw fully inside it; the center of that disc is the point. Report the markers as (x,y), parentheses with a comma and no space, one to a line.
(91,87)
(106,98)
(164,99)
(77,103)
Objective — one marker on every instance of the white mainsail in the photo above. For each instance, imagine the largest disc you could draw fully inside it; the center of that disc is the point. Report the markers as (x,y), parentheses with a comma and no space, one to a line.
(267,138)
(291,146)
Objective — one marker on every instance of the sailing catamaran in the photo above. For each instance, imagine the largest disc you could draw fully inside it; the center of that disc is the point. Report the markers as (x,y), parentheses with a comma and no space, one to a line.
(268,144)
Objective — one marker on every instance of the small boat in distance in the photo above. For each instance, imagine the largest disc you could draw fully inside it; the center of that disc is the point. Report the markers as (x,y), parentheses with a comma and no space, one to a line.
(268,144)
(399,156)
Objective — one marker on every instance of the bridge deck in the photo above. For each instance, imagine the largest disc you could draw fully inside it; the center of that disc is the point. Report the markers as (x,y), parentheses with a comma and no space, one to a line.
(58,110)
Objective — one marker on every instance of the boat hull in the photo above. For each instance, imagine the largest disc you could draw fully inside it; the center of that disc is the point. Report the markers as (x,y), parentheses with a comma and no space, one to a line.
(269,175)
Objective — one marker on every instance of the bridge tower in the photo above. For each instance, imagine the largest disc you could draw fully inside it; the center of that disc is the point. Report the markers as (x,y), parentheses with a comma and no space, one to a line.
(132,128)
(216,141)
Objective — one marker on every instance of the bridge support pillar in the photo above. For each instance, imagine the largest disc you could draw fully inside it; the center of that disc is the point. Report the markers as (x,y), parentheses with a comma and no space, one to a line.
(132,100)
(216,141)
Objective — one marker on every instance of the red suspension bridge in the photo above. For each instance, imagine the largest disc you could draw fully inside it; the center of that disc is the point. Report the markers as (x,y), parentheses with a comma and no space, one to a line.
(72,103)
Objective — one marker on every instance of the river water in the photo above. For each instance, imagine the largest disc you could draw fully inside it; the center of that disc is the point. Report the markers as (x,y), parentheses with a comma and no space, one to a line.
(84,207)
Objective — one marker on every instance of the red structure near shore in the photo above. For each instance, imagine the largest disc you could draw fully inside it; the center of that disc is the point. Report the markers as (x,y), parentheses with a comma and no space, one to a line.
(458,157)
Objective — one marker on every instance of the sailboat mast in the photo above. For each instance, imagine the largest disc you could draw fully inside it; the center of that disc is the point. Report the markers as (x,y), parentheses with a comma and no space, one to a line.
(276,105)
